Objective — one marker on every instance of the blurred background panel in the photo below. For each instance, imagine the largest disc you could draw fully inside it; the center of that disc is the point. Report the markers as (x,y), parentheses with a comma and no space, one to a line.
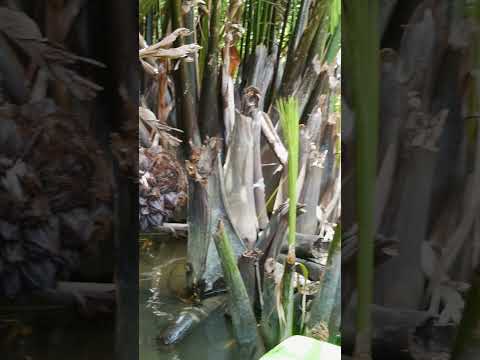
(68,224)
(410,151)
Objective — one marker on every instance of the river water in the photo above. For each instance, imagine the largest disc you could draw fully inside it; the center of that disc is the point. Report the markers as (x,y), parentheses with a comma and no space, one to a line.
(162,281)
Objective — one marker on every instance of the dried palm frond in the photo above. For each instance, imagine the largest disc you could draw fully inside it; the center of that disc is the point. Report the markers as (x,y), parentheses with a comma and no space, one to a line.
(24,33)
(163,49)
(163,182)
(150,121)
(162,188)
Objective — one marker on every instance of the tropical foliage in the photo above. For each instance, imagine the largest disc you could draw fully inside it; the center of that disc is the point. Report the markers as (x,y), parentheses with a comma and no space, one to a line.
(252,88)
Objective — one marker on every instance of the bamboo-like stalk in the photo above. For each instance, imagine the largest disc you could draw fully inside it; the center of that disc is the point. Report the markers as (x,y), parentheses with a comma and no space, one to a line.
(272,29)
(273,90)
(300,21)
(209,111)
(243,318)
(204,27)
(248,35)
(168,15)
(149,28)
(243,39)
(266,19)
(333,45)
(290,126)
(258,25)
(362,20)
(310,90)
(269,23)
(192,66)
(186,85)
(295,65)
(287,300)
(320,38)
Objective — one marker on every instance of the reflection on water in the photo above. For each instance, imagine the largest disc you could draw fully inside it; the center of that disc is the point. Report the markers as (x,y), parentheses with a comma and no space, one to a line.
(162,281)
(43,334)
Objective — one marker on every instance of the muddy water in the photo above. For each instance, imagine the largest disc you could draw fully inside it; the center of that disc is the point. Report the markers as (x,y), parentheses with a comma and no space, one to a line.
(162,280)
(38,333)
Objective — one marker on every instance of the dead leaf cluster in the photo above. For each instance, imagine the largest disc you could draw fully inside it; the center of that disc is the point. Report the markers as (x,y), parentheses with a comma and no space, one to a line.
(162,188)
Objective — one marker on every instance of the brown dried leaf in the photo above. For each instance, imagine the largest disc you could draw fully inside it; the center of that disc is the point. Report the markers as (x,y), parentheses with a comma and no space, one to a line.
(173,53)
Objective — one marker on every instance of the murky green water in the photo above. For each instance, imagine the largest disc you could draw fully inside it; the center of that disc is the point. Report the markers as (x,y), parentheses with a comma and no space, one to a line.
(162,280)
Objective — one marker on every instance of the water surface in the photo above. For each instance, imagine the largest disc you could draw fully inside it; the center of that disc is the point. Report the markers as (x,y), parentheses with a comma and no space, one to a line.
(162,280)
(43,333)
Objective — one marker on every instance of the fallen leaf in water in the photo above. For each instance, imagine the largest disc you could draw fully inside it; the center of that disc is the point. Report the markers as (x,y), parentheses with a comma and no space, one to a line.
(229,344)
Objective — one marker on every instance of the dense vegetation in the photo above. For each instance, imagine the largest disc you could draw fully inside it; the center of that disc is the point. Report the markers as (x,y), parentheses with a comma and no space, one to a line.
(240,101)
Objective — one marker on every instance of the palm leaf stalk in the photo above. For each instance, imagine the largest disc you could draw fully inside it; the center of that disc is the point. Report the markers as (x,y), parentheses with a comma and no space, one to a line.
(324,302)
(467,343)
(300,21)
(362,20)
(289,117)
(243,318)
(209,113)
(328,33)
